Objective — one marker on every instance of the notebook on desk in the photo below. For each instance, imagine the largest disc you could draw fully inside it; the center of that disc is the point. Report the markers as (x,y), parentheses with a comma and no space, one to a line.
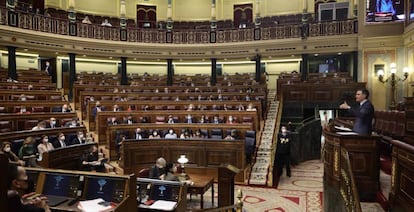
(54,201)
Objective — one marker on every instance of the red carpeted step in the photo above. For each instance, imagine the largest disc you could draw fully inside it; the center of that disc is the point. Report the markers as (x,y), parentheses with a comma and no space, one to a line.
(386,164)
(383,201)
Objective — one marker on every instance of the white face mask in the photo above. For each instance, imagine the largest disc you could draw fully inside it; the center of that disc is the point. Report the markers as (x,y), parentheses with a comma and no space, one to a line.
(45,140)
(155,133)
(23,99)
(53,122)
(81,136)
(7,149)
(62,138)
(284,130)
(23,110)
(171,132)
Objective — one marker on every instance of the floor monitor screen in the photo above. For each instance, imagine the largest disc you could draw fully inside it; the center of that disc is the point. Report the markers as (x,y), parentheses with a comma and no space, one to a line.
(109,189)
(57,184)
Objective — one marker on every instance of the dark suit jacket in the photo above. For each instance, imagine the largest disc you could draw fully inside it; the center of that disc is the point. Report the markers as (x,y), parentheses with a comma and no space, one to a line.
(56,144)
(364,115)
(75,140)
(49,126)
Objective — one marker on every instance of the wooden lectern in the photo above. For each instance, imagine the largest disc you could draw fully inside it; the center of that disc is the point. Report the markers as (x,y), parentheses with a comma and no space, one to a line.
(364,158)
(226,175)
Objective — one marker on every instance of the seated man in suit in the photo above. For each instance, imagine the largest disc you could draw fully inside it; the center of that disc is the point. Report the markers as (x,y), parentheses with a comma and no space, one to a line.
(97,108)
(60,142)
(66,108)
(78,139)
(19,189)
(52,123)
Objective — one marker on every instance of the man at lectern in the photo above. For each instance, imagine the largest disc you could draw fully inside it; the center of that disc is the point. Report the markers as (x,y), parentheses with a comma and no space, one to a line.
(364,112)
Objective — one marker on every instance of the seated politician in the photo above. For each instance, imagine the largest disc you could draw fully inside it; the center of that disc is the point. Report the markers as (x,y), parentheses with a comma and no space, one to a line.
(20,190)
(157,171)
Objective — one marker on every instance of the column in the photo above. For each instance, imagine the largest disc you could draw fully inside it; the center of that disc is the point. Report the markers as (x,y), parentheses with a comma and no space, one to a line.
(169,15)
(124,77)
(213,71)
(304,66)
(355,66)
(12,73)
(123,22)
(72,74)
(213,22)
(258,60)
(257,14)
(72,18)
(170,72)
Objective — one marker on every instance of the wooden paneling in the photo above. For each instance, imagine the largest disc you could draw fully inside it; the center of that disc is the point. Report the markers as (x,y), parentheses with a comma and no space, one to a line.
(402,184)
(201,153)
(364,159)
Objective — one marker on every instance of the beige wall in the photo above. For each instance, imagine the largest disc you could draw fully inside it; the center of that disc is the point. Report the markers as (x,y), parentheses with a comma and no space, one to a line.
(23,62)
(183,9)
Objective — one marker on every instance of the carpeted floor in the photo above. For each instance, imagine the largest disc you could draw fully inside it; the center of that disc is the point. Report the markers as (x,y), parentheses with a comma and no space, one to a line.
(302,192)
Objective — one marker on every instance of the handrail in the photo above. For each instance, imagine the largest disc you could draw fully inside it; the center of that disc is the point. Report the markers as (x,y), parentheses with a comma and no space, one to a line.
(347,187)
(274,139)
(60,26)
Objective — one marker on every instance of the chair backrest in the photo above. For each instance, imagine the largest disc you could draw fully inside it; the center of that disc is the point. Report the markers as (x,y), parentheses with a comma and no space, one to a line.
(29,124)
(144,173)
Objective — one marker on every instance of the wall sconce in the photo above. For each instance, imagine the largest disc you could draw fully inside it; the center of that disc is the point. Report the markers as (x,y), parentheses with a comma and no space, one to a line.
(182,161)
(393,79)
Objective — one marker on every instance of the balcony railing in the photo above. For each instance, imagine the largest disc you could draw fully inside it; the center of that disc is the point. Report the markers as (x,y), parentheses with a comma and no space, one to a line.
(192,36)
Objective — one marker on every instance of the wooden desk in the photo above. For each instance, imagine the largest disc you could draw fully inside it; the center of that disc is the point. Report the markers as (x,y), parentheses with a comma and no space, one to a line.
(201,184)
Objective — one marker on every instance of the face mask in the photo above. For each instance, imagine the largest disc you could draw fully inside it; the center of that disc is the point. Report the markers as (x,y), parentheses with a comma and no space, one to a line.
(53,122)
(30,186)
(7,149)
(62,138)
(23,110)
(155,133)
(45,140)
(230,119)
(81,136)
(23,99)
(171,132)
(284,130)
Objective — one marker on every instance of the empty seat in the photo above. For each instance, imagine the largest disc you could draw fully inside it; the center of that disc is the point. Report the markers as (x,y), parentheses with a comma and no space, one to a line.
(160,119)
(159,107)
(216,134)
(5,126)
(171,107)
(37,109)
(29,124)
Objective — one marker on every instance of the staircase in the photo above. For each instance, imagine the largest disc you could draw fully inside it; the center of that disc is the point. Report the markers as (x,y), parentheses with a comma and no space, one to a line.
(263,160)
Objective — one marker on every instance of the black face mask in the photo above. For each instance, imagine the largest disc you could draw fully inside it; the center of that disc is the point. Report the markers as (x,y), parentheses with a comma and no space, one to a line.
(30,186)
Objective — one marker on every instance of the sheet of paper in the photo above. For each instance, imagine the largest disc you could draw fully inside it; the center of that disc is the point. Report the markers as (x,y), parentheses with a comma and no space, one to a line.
(163,205)
(347,133)
(93,206)
(342,128)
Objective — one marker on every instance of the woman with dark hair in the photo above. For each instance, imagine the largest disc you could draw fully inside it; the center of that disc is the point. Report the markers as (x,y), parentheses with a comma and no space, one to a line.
(6,149)
(170,170)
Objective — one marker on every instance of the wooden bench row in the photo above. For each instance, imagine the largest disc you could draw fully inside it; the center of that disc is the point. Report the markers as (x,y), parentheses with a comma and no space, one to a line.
(170,89)
(247,117)
(26,85)
(19,136)
(32,106)
(14,95)
(85,96)
(18,122)
(212,131)
(167,105)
